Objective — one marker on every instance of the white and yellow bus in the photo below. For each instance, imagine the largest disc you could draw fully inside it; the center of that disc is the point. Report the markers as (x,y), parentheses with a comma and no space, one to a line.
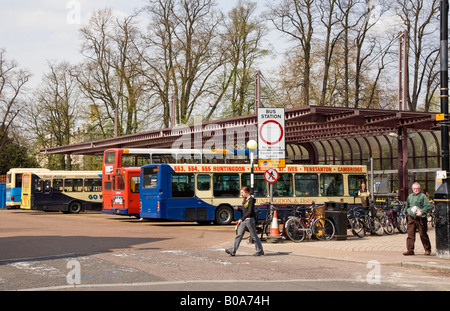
(14,185)
(207,192)
(66,191)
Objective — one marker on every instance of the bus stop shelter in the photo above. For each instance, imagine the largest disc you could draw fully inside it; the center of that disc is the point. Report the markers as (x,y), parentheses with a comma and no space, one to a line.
(399,142)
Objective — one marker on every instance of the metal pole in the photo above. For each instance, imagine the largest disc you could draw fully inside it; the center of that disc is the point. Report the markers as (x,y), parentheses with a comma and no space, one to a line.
(444,84)
(442,194)
(257,90)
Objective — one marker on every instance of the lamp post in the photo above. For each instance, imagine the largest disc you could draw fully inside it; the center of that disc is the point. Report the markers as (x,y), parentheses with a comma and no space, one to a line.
(251,145)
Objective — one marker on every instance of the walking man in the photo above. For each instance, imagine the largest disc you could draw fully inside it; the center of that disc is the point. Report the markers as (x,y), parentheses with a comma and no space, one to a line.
(417,207)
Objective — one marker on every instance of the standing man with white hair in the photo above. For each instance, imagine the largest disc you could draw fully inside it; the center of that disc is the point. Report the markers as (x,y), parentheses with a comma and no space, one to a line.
(417,207)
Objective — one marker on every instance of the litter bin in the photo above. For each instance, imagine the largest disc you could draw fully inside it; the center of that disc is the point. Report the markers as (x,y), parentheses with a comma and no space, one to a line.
(337,213)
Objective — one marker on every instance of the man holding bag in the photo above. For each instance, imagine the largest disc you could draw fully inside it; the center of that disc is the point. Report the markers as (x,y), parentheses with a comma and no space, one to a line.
(417,207)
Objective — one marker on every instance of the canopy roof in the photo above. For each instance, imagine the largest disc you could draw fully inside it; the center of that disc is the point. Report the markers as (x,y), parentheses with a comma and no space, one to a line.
(303,125)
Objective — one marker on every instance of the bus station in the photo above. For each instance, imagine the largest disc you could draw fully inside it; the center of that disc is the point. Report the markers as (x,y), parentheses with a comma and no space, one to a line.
(395,148)
(318,139)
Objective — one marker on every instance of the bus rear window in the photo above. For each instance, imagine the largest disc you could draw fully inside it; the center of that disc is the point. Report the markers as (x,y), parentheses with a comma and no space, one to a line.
(110,157)
(150,177)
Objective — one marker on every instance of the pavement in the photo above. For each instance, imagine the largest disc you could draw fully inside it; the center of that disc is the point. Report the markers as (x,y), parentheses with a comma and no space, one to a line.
(386,249)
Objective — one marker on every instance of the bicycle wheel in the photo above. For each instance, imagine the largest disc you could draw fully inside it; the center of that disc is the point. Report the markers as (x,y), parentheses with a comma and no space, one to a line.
(295,230)
(323,229)
(389,227)
(377,227)
(357,227)
(402,224)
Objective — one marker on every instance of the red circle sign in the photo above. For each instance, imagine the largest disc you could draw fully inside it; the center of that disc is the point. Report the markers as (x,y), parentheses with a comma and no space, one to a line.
(266,141)
(271,175)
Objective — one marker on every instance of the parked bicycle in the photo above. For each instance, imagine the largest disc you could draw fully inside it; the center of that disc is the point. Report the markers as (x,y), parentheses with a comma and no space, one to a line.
(263,226)
(299,226)
(355,219)
(372,223)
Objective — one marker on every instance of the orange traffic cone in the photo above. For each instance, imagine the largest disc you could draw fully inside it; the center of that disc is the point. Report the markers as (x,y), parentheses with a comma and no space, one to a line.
(274,232)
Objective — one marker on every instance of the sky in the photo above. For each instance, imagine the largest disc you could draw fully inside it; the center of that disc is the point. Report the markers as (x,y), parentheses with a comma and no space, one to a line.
(34,32)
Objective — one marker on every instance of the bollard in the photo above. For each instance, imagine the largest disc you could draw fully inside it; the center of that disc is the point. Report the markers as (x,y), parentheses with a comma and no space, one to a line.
(442,225)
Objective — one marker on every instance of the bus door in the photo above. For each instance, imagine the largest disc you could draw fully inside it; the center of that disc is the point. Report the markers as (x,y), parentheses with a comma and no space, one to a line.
(26,191)
(153,191)
(133,180)
(46,195)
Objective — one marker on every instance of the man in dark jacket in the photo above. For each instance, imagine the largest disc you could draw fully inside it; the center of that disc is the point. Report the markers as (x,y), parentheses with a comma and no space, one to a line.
(417,207)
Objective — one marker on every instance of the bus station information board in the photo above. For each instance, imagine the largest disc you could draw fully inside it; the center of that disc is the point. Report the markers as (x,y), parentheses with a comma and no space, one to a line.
(271,138)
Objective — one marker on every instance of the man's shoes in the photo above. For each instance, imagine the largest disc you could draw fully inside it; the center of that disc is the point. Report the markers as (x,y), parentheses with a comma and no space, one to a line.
(427,253)
(228,252)
(258,254)
(408,253)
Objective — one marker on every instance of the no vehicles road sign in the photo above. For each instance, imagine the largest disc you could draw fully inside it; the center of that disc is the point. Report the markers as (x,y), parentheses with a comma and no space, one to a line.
(271,175)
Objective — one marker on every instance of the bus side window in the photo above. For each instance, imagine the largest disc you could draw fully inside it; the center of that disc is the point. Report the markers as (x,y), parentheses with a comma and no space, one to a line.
(47,186)
(331,184)
(226,185)
(260,184)
(57,185)
(182,185)
(73,185)
(93,185)
(283,186)
(203,182)
(38,185)
(354,182)
(306,184)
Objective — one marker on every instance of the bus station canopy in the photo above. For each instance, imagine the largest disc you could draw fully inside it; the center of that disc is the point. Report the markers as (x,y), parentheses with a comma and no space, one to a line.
(403,145)
(304,125)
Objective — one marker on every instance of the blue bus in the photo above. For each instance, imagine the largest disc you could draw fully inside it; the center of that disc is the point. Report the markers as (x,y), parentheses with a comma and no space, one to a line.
(206,193)
(14,185)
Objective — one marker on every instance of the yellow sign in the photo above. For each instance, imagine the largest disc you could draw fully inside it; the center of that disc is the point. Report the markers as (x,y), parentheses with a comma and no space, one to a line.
(271,163)
(440,117)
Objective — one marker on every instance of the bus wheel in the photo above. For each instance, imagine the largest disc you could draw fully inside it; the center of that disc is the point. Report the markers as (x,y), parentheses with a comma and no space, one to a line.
(75,207)
(224,215)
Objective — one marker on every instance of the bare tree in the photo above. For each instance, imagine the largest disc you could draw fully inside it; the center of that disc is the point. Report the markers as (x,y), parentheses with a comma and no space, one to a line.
(244,33)
(12,86)
(295,18)
(55,110)
(420,18)
(110,76)
(330,18)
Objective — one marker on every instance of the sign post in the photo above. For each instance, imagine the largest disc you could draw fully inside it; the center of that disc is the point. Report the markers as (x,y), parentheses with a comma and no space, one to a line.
(271,138)
(271,176)
(271,144)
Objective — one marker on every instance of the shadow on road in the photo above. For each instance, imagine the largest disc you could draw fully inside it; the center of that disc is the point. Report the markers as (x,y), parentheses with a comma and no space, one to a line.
(21,248)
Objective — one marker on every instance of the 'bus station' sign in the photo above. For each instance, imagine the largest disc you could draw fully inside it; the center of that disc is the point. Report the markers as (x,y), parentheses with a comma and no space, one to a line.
(271,138)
